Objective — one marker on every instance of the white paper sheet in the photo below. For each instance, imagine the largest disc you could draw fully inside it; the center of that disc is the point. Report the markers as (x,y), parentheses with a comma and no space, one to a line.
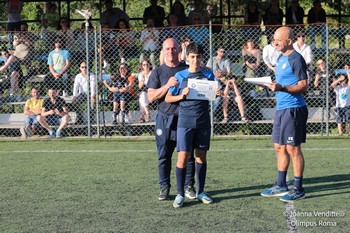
(259,80)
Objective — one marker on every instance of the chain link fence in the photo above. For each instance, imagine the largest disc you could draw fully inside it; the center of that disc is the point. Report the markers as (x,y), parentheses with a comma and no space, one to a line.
(119,105)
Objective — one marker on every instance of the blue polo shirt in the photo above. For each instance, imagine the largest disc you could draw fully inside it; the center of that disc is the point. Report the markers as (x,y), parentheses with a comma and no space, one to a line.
(192,113)
(289,70)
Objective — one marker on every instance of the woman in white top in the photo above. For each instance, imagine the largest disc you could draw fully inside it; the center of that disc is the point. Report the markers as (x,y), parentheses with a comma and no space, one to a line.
(305,50)
(146,68)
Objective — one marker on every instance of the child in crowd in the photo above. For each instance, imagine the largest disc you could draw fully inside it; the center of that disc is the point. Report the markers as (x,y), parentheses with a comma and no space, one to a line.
(342,90)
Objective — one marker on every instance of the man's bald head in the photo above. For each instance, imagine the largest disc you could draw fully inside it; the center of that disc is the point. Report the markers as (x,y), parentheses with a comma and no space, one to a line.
(171,41)
(286,31)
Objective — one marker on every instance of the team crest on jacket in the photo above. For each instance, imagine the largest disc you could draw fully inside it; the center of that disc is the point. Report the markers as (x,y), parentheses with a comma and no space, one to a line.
(159,132)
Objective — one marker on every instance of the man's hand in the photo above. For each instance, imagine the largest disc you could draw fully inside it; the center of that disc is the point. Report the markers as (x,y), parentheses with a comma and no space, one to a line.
(274,86)
(185,92)
(172,82)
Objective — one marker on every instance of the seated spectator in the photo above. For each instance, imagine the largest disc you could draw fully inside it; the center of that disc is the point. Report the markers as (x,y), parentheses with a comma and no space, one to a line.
(321,76)
(172,30)
(14,71)
(81,91)
(305,50)
(270,56)
(252,20)
(24,51)
(149,40)
(122,87)
(273,17)
(54,113)
(13,10)
(198,32)
(251,57)
(232,91)
(341,88)
(295,16)
(112,15)
(220,65)
(32,108)
(66,34)
(178,9)
(146,69)
(200,12)
(156,12)
(49,22)
(316,19)
(59,61)
(123,44)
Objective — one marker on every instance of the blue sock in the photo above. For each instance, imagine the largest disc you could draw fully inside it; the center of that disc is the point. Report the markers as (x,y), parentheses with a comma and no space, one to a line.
(298,182)
(180,180)
(201,173)
(281,178)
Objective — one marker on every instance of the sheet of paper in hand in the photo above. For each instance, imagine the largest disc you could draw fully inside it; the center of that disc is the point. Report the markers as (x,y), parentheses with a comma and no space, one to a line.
(259,80)
(202,89)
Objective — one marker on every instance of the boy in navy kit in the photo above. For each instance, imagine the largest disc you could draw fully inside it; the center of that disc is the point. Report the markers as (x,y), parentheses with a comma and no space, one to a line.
(193,129)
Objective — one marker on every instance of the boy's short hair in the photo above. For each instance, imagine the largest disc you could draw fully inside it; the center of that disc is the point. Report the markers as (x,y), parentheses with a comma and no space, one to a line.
(194,48)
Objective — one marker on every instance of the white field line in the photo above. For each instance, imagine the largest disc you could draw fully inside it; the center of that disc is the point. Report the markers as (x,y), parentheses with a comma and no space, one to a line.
(289,213)
(147,151)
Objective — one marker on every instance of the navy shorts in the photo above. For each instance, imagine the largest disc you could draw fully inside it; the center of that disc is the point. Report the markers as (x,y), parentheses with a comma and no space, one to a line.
(289,126)
(189,139)
(119,96)
(343,114)
(54,120)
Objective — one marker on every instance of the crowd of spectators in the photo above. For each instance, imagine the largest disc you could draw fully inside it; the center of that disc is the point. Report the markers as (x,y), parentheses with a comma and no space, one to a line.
(120,45)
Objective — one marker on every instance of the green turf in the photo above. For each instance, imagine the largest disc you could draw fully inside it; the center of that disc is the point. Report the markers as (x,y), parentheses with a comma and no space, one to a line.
(111,186)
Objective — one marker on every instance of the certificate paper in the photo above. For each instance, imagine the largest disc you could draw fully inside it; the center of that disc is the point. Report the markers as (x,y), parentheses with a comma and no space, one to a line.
(202,89)
(259,81)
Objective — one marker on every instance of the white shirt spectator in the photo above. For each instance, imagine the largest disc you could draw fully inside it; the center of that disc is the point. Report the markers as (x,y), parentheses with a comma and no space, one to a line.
(305,51)
(343,96)
(81,85)
(223,65)
(270,55)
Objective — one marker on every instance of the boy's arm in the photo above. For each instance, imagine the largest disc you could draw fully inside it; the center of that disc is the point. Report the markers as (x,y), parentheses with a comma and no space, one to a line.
(170,98)
(337,81)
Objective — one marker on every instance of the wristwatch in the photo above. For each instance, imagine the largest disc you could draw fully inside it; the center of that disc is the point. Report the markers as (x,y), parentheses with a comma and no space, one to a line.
(283,88)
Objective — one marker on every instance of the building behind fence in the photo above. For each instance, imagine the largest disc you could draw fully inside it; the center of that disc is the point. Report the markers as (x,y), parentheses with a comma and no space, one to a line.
(105,50)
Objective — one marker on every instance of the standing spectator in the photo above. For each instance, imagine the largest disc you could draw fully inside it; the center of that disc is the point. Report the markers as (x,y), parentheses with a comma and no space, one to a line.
(54,113)
(305,50)
(273,17)
(149,39)
(66,34)
(341,88)
(49,23)
(81,90)
(14,19)
(270,56)
(59,63)
(316,19)
(178,9)
(289,127)
(32,109)
(198,11)
(251,56)
(112,15)
(193,127)
(146,69)
(14,71)
(252,20)
(156,12)
(161,79)
(295,16)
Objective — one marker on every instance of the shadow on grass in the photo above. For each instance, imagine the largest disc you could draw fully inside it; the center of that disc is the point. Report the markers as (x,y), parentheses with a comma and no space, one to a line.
(337,182)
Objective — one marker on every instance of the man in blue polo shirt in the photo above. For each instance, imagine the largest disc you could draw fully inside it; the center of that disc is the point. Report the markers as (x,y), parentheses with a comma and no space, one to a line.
(289,128)
(193,128)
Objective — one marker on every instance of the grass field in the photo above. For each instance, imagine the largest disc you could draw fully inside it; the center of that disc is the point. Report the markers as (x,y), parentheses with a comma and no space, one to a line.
(111,186)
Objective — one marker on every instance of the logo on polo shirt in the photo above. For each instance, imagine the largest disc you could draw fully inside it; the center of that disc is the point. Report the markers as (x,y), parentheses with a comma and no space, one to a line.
(284,66)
